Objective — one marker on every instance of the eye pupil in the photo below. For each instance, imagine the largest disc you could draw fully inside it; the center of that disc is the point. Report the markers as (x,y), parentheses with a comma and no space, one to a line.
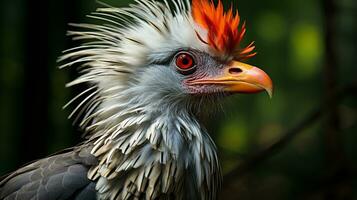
(185,61)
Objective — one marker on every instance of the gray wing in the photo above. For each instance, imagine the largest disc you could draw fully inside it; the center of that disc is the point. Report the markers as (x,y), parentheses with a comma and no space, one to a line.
(62,176)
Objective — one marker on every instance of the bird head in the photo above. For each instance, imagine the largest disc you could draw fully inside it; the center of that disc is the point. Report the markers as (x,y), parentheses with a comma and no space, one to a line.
(170,53)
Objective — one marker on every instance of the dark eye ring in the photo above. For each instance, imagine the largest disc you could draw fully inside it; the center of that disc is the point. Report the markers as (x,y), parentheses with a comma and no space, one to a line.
(185,62)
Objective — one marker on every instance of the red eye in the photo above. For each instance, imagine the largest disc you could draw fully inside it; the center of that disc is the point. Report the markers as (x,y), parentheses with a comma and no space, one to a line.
(184,61)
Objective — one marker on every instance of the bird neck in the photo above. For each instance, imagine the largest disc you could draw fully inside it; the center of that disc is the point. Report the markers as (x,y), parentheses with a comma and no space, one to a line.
(136,136)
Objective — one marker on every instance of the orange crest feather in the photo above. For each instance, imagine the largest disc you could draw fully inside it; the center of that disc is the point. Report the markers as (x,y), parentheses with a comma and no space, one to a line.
(223,33)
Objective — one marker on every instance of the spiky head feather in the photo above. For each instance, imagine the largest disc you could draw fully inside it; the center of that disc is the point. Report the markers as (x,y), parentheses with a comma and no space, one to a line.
(222,28)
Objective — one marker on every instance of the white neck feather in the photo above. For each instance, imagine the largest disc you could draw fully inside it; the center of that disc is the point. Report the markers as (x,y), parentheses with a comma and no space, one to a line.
(132,138)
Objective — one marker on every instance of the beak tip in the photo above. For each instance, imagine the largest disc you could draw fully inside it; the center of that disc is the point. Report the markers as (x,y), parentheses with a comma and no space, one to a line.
(270,93)
(269,88)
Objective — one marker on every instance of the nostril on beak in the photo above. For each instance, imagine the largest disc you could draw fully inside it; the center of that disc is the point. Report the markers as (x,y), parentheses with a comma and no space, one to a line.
(235,71)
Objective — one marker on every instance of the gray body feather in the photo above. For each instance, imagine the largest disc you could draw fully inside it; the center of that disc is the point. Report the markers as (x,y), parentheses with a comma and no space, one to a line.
(62,176)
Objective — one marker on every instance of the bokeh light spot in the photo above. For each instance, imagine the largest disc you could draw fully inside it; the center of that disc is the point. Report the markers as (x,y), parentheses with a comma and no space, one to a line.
(306,50)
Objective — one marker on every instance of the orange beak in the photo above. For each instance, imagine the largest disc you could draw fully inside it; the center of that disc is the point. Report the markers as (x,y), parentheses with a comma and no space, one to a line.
(239,77)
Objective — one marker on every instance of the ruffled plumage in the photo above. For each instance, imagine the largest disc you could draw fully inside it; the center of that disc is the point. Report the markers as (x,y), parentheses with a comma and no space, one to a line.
(223,32)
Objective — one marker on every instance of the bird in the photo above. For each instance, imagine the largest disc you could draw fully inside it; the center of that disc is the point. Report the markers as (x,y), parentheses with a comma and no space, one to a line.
(152,71)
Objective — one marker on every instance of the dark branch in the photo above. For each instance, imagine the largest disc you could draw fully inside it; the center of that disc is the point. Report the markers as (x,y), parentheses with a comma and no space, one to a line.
(332,137)
(255,160)
(336,159)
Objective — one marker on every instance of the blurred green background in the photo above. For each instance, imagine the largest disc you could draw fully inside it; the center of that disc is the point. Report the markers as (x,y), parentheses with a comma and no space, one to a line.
(307,47)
